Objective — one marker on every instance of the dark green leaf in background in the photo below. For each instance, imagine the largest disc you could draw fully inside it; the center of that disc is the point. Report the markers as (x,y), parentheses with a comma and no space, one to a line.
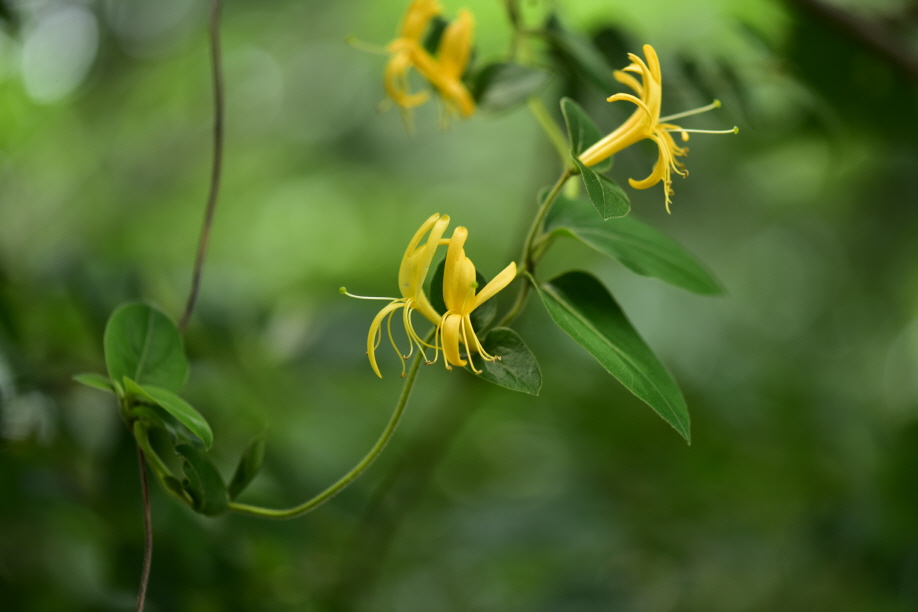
(517,368)
(249,465)
(580,54)
(585,310)
(144,345)
(608,198)
(97,381)
(203,481)
(501,86)
(640,247)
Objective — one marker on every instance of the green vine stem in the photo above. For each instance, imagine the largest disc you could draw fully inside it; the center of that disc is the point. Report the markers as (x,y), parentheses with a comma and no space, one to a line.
(148,533)
(358,469)
(216,167)
(528,258)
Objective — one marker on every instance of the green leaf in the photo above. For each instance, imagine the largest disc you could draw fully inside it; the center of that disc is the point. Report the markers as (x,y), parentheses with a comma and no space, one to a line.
(638,246)
(203,481)
(501,85)
(608,198)
(580,53)
(585,310)
(249,465)
(183,411)
(581,131)
(143,344)
(517,368)
(96,381)
(481,316)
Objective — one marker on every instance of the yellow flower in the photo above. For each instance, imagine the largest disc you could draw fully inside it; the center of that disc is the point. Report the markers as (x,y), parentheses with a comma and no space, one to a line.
(645,122)
(461,299)
(443,72)
(411,275)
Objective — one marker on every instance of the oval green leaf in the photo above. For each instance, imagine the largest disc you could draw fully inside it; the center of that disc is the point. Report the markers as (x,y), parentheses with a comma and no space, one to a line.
(502,86)
(143,344)
(581,131)
(96,381)
(203,481)
(184,412)
(638,246)
(253,457)
(517,368)
(585,310)
(608,198)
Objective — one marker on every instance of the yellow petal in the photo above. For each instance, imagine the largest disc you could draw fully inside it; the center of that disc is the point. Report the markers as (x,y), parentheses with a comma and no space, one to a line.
(635,128)
(458,273)
(456,45)
(417,18)
(416,260)
(497,283)
(626,79)
(653,63)
(450,329)
(395,80)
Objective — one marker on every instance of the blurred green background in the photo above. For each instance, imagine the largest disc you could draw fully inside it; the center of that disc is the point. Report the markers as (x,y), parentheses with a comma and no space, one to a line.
(799,489)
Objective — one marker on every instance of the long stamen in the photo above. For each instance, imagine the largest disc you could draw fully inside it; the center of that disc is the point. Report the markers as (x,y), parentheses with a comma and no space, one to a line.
(392,341)
(689,113)
(356,43)
(344,291)
(465,340)
(733,130)
(407,323)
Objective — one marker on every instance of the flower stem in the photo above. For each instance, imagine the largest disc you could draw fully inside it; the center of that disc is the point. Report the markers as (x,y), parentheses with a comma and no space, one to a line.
(358,469)
(528,259)
(148,533)
(216,167)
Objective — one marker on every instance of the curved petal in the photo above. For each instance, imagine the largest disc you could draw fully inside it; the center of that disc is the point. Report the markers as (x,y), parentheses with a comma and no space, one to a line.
(653,63)
(658,173)
(497,283)
(418,17)
(374,332)
(450,330)
(456,45)
(395,81)
(416,261)
(626,79)
(458,273)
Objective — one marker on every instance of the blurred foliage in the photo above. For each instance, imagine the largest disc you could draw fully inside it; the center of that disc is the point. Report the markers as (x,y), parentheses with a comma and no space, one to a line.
(798,491)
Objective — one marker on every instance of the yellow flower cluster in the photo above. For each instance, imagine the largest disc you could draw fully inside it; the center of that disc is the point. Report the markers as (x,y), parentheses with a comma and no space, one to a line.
(460,295)
(444,71)
(645,122)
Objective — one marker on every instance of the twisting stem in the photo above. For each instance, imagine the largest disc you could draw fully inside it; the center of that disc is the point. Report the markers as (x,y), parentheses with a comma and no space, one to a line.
(148,532)
(528,257)
(217,166)
(358,469)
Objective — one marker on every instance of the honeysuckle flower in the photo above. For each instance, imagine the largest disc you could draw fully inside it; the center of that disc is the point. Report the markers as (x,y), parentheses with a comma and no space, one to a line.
(411,275)
(646,122)
(461,299)
(444,71)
